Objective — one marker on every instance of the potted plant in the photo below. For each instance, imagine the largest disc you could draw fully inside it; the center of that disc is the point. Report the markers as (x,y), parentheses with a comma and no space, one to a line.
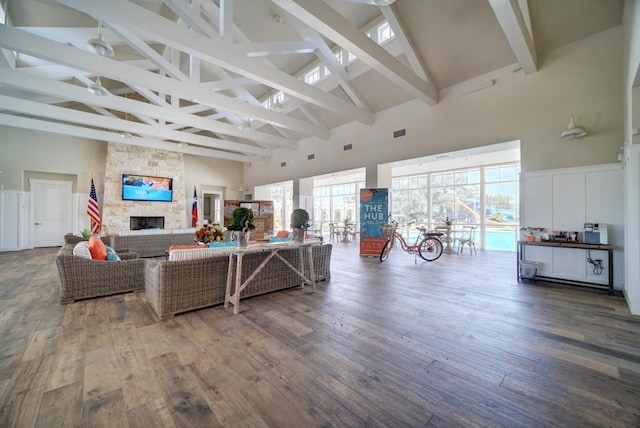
(299,223)
(241,224)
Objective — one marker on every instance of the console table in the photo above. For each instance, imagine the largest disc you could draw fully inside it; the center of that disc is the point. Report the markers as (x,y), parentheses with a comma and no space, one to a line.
(233,296)
(570,245)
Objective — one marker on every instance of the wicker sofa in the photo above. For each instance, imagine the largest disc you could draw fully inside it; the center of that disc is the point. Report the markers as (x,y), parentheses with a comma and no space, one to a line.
(82,278)
(151,244)
(179,286)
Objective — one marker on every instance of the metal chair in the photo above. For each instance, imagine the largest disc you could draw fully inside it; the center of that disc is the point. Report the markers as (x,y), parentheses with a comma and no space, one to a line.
(467,238)
(334,232)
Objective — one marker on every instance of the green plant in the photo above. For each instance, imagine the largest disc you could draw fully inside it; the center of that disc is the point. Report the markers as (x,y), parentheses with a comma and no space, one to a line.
(299,219)
(241,219)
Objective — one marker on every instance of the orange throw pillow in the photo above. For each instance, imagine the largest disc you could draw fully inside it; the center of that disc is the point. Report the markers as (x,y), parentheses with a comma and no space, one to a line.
(282,234)
(97,248)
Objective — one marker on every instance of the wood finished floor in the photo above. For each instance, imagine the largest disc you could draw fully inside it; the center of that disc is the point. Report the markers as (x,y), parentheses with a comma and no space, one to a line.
(453,343)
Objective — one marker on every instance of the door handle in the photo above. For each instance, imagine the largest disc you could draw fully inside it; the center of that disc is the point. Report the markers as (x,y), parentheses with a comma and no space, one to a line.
(37,224)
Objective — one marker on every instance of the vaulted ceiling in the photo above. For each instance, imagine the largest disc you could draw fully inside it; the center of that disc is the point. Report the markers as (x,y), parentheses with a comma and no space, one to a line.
(192,75)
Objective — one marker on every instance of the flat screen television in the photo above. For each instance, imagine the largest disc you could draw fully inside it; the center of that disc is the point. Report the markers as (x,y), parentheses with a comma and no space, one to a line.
(146,188)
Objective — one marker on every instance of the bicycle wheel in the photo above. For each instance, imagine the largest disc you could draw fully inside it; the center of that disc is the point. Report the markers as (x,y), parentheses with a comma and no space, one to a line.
(430,249)
(386,250)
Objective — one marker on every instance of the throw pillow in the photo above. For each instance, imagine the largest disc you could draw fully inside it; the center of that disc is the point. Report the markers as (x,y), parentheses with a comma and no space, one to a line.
(221,244)
(112,256)
(276,239)
(97,248)
(81,249)
(282,234)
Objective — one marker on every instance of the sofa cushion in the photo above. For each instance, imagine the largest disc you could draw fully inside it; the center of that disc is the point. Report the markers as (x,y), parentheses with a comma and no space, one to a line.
(97,248)
(112,256)
(199,253)
(81,249)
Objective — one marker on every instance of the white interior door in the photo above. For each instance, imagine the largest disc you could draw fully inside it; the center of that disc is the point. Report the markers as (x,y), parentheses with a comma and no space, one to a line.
(52,205)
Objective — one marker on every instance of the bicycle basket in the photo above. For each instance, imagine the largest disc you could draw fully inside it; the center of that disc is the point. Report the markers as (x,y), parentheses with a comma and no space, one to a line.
(387,230)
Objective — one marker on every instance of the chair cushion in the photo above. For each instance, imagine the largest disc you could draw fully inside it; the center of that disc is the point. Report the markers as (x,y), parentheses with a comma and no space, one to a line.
(81,249)
(112,256)
(97,248)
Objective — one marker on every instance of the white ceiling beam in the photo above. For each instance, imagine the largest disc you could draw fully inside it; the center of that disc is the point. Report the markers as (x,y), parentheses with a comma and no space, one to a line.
(53,51)
(226,21)
(518,33)
(190,17)
(21,106)
(274,48)
(215,51)
(328,22)
(95,134)
(61,72)
(327,57)
(147,51)
(231,83)
(403,39)
(175,115)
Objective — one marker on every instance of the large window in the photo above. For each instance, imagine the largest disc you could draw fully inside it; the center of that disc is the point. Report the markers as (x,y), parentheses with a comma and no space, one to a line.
(484,196)
(282,197)
(337,203)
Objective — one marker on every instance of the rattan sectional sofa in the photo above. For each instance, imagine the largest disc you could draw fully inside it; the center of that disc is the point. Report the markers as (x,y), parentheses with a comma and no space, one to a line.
(82,278)
(152,244)
(173,287)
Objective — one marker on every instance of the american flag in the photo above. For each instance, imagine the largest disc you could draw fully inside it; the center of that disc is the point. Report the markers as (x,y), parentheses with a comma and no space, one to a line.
(93,210)
(194,209)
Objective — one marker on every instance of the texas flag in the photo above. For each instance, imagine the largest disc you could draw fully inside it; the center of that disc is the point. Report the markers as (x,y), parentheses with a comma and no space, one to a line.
(194,209)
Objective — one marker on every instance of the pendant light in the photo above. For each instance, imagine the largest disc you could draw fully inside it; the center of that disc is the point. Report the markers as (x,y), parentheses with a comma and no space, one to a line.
(99,46)
(572,130)
(97,88)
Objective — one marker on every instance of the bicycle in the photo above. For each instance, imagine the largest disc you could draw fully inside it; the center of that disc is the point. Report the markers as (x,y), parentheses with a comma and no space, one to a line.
(427,244)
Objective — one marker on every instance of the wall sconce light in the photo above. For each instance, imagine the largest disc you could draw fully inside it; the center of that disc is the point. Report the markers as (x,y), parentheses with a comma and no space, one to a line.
(572,130)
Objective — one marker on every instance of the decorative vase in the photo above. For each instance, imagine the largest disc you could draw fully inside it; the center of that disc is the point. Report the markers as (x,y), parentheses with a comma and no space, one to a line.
(242,239)
(298,235)
(228,235)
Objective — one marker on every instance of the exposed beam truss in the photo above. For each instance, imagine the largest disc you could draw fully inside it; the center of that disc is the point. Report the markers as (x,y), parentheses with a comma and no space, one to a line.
(516,27)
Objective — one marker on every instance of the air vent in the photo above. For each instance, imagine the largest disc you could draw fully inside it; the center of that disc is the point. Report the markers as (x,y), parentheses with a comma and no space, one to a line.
(347,147)
(399,133)
(311,156)
(283,164)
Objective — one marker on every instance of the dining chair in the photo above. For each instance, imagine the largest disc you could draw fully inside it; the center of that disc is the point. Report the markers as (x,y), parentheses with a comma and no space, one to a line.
(334,232)
(351,231)
(467,238)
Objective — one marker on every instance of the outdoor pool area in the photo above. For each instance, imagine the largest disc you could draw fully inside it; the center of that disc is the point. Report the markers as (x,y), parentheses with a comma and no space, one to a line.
(498,240)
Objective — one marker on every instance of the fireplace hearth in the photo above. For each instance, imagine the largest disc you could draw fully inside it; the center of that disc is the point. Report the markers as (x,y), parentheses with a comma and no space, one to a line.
(139,222)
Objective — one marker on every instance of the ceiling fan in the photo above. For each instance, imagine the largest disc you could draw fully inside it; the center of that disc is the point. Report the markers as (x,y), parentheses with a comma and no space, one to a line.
(374,2)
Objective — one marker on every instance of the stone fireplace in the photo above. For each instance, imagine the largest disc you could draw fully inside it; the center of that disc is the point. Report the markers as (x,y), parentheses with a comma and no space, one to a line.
(128,159)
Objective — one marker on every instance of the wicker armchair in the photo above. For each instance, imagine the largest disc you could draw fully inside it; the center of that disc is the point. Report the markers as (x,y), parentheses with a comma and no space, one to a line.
(82,278)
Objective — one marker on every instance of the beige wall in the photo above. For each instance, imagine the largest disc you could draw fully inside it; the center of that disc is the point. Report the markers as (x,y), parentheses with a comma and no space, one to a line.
(584,78)
(22,150)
